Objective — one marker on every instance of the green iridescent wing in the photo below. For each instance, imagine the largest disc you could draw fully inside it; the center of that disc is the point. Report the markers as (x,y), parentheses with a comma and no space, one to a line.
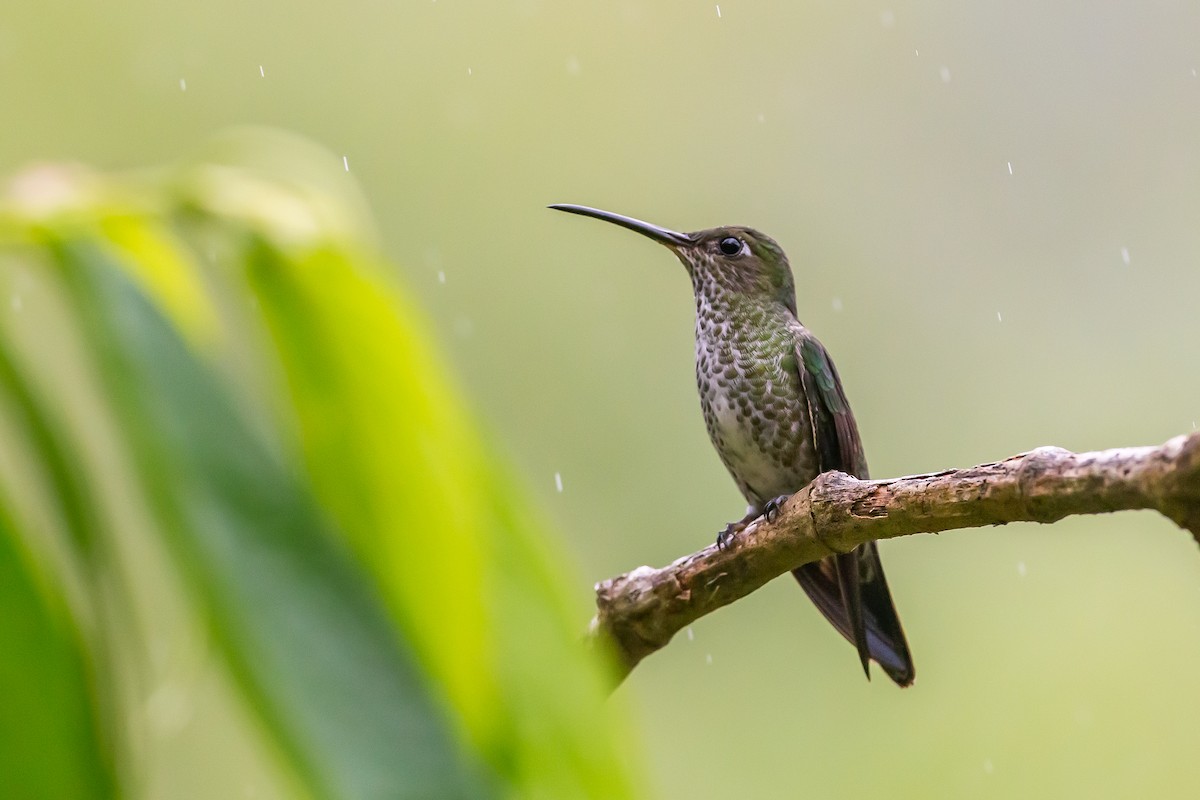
(838,444)
(850,588)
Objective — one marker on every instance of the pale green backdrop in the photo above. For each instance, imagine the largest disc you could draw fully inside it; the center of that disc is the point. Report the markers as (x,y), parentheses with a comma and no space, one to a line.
(991,209)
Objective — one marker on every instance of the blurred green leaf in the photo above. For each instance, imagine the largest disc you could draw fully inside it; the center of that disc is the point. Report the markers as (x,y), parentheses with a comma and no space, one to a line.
(391,609)
(51,745)
(308,641)
(450,545)
(87,559)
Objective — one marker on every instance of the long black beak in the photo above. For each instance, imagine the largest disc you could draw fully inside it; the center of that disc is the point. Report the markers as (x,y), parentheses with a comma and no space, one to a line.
(661,235)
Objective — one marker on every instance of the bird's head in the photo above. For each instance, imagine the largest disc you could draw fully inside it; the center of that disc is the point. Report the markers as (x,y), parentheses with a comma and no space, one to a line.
(719,260)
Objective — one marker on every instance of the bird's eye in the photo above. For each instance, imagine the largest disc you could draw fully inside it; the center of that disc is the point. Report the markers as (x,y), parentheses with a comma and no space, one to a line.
(731,245)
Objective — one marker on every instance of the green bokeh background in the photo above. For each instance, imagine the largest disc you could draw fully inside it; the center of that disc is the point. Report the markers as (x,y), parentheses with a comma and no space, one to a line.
(991,212)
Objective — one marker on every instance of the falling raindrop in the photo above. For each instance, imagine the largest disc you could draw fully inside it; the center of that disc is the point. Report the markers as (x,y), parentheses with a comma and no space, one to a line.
(182,85)
(1010,168)
(262,71)
(998,317)
(441,276)
(1125,255)
(558,482)
(691,635)
(718,12)
(346,162)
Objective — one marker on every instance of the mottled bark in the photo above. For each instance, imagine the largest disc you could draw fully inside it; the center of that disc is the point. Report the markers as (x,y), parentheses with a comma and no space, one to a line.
(641,610)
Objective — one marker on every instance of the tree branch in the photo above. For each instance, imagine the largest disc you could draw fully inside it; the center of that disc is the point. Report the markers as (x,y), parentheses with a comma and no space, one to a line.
(641,610)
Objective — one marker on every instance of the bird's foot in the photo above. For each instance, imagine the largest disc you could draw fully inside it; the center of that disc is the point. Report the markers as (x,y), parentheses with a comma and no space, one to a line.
(773,507)
(731,530)
(734,528)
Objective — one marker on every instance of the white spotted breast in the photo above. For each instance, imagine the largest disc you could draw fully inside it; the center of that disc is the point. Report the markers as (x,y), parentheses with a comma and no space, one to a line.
(753,403)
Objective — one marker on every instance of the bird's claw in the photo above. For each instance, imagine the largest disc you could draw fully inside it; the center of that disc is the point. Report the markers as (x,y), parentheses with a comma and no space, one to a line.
(773,507)
(726,536)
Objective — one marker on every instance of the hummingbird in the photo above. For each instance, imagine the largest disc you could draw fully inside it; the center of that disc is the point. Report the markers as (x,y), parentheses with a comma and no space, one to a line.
(777,415)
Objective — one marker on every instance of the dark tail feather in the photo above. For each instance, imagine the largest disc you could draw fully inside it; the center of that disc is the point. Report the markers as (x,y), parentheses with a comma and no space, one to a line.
(849,585)
(877,623)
